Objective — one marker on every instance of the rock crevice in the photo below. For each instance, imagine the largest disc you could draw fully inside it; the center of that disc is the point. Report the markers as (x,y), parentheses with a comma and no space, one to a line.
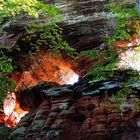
(77,113)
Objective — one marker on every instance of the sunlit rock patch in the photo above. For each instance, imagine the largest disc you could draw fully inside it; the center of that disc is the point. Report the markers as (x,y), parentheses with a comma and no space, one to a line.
(47,67)
(44,67)
(130,59)
(12,111)
(78,111)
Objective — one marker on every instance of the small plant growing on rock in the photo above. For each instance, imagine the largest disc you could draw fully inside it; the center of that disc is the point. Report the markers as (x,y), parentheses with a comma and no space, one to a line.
(105,61)
(127,23)
(41,31)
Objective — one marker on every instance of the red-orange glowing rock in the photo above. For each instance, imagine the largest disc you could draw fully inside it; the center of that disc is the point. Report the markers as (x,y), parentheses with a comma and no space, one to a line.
(121,44)
(44,67)
(12,111)
(134,40)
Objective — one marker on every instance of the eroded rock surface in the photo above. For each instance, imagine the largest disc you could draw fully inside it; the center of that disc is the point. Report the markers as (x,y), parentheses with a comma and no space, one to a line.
(85,23)
(80,112)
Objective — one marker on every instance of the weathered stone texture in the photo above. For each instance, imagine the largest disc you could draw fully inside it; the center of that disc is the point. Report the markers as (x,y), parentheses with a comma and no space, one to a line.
(74,116)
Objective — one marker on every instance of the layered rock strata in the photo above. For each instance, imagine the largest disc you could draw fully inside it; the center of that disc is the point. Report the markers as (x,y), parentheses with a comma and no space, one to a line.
(80,112)
(85,23)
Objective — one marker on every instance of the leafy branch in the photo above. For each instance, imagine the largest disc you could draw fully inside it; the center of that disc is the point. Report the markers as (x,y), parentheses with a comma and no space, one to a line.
(126,17)
(105,61)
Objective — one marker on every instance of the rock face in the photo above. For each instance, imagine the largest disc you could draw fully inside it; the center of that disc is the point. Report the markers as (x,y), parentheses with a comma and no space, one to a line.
(77,113)
(85,22)
(83,111)
(44,67)
(4,131)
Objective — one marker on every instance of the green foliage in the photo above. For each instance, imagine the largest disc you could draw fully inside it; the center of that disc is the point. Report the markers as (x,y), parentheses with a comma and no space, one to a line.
(5,64)
(6,84)
(39,34)
(11,9)
(34,8)
(104,67)
(44,33)
(124,16)
(105,61)
(49,35)
(122,95)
